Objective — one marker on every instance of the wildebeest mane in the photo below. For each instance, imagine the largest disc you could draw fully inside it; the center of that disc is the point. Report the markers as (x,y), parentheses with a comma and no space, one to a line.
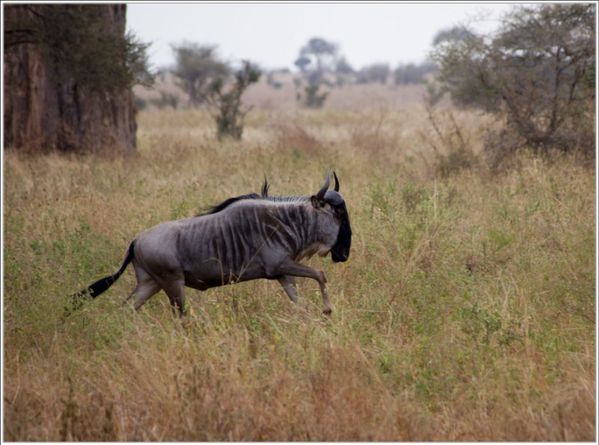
(263,195)
(227,202)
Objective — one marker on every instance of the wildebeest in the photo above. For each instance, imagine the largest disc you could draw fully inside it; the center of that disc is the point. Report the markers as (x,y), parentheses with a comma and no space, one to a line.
(243,238)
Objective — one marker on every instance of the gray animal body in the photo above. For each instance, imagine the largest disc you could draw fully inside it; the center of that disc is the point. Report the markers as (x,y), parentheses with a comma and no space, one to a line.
(244,238)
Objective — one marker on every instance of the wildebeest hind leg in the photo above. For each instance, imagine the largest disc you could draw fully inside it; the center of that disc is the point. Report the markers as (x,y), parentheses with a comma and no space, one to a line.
(145,288)
(143,292)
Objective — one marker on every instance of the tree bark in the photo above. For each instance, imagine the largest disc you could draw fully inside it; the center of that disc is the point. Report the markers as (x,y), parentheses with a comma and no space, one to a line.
(46,108)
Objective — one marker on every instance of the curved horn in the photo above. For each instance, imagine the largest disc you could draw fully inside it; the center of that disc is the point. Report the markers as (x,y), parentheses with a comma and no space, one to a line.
(325,187)
(265,187)
(336,181)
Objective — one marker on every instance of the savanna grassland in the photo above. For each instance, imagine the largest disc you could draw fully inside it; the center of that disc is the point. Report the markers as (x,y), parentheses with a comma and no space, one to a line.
(465,312)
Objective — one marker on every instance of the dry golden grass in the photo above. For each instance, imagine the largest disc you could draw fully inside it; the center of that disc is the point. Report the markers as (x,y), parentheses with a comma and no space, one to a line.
(466,310)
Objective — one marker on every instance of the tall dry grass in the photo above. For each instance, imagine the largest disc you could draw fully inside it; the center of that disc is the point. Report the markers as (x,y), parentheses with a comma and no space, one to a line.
(466,310)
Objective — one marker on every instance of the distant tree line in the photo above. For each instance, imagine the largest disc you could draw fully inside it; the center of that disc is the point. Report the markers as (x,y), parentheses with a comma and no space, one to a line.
(321,67)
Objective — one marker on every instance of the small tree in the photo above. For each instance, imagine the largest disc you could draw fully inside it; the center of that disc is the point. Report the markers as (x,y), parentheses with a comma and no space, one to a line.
(312,97)
(377,72)
(302,62)
(196,66)
(316,58)
(413,73)
(536,74)
(453,35)
(342,66)
(343,71)
(226,103)
(320,54)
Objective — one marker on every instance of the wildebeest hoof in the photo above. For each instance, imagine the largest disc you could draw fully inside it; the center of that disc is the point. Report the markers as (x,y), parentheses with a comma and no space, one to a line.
(327,311)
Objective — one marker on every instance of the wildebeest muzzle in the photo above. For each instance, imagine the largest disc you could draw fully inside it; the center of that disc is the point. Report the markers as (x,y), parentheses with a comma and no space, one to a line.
(342,246)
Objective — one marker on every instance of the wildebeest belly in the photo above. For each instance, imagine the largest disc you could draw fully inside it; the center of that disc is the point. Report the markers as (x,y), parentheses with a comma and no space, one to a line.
(191,281)
(213,275)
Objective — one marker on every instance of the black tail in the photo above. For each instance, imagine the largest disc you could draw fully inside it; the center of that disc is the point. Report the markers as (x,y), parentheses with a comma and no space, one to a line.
(98,287)
(103,284)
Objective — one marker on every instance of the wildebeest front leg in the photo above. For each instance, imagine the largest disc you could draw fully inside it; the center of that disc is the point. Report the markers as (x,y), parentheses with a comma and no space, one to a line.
(176,295)
(299,270)
(288,283)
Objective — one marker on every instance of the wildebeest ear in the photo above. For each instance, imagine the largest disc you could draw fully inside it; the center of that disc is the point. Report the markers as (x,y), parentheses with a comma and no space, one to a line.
(316,203)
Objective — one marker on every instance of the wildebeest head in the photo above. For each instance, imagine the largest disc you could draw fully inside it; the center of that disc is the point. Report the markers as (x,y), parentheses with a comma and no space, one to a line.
(341,248)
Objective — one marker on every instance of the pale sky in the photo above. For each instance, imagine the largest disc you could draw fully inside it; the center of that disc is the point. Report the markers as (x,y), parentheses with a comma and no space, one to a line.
(272,34)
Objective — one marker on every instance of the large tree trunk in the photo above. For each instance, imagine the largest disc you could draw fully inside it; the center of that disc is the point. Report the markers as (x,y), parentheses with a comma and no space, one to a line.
(46,108)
